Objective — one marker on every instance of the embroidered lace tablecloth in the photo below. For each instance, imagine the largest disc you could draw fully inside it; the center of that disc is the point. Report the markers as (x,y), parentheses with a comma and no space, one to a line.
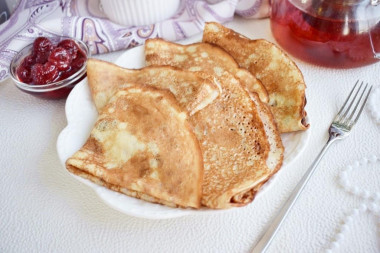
(43,209)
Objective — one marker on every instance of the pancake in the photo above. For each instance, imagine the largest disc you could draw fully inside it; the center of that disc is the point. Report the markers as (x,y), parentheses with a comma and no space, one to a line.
(194,90)
(142,145)
(230,131)
(214,59)
(277,72)
(276,148)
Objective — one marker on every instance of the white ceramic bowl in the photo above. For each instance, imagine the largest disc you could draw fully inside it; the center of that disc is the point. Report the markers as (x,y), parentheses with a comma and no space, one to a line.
(139,12)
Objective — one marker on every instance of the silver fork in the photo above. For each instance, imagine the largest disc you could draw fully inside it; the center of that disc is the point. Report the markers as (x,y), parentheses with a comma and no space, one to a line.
(340,128)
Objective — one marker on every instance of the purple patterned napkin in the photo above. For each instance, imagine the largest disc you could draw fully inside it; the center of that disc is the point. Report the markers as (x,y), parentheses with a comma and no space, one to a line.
(85,20)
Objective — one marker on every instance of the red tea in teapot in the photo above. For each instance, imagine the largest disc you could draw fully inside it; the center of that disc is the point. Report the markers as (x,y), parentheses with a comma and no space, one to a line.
(327,34)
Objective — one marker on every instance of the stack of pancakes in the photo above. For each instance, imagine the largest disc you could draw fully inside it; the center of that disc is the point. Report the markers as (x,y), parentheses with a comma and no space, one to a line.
(199,126)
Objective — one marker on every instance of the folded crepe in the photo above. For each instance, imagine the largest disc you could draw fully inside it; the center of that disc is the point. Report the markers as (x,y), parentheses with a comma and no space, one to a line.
(101,72)
(216,62)
(230,130)
(215,59)
(197,90)
(277,72)
(142,145)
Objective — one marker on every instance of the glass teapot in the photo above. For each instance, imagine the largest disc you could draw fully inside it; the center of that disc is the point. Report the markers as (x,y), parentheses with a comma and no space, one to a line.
(331,33)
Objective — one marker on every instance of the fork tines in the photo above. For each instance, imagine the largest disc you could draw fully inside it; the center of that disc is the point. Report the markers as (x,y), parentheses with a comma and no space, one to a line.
(350,107)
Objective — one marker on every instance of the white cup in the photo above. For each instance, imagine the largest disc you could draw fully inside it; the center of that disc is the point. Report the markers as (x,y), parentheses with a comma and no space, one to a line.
(139,12)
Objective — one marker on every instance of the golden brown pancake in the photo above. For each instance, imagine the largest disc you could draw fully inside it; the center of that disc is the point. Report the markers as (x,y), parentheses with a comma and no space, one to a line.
(277,72)
(230,130)
(142,145)
(276,148)
(196,90)
(214,60)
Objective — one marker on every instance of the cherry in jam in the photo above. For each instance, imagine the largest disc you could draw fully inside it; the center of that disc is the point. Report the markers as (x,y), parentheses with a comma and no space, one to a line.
(69,45)
(50,63)
(44,73)
(41,49)
(61,58)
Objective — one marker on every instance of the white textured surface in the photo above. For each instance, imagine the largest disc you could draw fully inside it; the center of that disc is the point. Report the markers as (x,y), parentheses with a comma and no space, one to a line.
(43,209)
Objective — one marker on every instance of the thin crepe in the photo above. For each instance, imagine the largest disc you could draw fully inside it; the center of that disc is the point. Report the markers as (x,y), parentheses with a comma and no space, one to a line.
(197,90)
(230,130)
(142,145)
(213,60)
(277,72)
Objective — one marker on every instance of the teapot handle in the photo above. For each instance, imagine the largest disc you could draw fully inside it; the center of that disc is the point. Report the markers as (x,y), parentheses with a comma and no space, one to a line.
(372,24)
(376,54)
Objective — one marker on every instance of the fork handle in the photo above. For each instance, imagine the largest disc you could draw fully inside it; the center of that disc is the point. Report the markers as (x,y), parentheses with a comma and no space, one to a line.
(267,238)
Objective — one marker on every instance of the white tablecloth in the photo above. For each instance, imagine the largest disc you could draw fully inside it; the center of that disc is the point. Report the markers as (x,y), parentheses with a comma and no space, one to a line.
(43,209)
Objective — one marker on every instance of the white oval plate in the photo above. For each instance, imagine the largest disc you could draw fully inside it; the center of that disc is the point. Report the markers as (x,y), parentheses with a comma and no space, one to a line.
(81,115)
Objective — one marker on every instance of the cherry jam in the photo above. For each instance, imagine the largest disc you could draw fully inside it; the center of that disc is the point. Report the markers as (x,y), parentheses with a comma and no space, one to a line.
(330,40)
(50,63)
